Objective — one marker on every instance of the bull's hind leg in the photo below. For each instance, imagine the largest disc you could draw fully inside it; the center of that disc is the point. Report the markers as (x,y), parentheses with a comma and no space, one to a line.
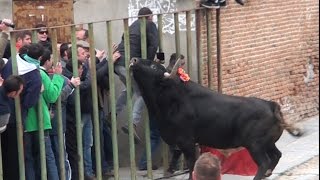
(188,149)
(260,156)
(275,155)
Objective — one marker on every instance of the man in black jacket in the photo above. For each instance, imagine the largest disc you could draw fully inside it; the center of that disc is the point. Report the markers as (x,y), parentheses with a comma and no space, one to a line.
(135,51)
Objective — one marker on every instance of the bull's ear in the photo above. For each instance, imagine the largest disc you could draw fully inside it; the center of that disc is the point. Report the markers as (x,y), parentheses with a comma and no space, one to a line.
(175,69)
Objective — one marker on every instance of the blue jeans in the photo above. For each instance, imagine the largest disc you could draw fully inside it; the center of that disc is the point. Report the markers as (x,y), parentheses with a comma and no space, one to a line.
(55,148)
(87,140)
(32,157)
(138,104)
(155,139)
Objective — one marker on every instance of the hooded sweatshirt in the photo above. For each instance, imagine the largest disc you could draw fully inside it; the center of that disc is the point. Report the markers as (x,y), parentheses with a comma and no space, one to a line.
(32,85)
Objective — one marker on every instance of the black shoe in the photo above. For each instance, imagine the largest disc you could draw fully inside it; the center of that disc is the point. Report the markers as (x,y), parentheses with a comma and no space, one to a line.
(211,5)
(137,139)
(154,167)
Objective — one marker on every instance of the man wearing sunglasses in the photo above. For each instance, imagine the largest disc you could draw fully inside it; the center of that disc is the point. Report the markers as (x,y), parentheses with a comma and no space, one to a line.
(43,36)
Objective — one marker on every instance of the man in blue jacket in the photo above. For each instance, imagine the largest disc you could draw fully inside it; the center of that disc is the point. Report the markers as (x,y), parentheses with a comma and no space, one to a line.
(11,88)
(29,98)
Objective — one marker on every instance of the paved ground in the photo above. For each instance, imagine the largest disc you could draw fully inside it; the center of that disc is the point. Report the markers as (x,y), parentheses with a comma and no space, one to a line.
(300,157)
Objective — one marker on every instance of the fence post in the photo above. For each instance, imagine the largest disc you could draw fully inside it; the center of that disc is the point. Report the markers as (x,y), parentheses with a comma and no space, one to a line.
(18,110)
(129,100)
(189,42)
(61,142)
(219,65)
(94,91)
(77,103)
(113,104)
(209,48)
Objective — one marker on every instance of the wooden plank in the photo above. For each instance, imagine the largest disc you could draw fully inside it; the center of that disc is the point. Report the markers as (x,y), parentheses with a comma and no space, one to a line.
(26,14)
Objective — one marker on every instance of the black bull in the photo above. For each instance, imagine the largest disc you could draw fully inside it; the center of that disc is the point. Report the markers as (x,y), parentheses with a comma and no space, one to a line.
(188,113)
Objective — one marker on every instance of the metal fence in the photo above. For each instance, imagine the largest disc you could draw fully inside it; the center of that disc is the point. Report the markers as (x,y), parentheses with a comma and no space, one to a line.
(199,13)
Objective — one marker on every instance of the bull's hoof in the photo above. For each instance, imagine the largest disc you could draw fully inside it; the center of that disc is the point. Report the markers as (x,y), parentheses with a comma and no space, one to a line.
(268,173)
(241,2)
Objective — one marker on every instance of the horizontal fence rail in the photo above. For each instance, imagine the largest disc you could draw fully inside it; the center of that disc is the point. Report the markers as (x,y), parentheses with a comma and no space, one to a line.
(98,118)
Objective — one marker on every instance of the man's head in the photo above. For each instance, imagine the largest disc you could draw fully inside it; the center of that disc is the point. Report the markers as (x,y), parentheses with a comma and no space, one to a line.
(207,167)
(46,60)
(82,34)
(83,51)
(13,86)
(42,32)
(64,51)
(146,11)
(34,51)
(23,38)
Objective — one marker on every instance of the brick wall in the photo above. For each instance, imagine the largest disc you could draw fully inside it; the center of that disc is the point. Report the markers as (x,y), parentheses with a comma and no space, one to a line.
(270,50)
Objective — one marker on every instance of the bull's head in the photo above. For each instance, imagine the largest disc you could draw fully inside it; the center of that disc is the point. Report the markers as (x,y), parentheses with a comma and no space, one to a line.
(146,70)
(149,67)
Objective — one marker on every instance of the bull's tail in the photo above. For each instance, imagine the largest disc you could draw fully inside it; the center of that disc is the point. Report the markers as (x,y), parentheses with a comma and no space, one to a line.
(293,130)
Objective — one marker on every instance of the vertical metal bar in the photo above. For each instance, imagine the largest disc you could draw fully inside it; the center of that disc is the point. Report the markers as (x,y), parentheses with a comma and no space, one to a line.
(178,47)
(199,45)
(34,36)
(18,111)
(129,100)
(189,42)
(95,102)
(1,170)
(113,104)
(42,141)
(147,120)
(177,34)
(219,65)
(165,149)
(160,27)
(209,48)
(56,59)
(165,155)
(77,103)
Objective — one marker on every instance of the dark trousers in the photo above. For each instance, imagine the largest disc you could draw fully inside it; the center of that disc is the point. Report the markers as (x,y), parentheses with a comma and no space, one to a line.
(71,144)
(106,145)
(9,146)
(155,139)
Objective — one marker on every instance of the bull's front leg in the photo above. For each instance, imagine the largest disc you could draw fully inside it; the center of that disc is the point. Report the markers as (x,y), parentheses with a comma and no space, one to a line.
(188,149)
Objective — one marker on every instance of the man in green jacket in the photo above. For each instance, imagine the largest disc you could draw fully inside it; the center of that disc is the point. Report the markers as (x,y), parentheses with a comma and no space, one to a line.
(51,89)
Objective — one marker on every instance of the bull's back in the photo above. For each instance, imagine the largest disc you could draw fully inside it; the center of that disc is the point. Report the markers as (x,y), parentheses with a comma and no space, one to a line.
(225,121)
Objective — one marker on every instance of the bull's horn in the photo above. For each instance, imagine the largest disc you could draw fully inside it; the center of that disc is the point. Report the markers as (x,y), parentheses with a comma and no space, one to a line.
(175,68)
